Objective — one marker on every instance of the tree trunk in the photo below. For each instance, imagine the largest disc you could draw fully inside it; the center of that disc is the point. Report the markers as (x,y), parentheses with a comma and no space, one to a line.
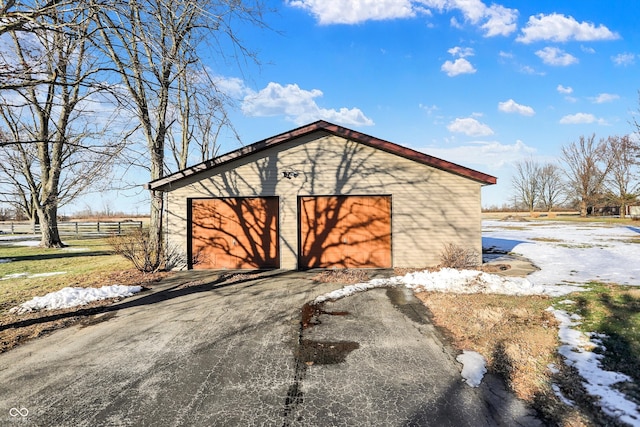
(155,228)
(623,211)
(583,209)
(49,227)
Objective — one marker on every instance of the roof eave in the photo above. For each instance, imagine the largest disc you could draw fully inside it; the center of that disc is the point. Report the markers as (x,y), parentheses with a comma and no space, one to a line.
(164,183)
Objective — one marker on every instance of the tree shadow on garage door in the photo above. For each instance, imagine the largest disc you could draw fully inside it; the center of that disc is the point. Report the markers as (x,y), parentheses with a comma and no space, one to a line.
(431,207)
(234,232)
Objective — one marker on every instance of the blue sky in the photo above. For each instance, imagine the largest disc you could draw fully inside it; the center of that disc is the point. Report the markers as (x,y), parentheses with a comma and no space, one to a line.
(476,83)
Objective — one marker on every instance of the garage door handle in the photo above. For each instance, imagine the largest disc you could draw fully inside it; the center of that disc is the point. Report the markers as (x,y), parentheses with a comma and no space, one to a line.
(233,242)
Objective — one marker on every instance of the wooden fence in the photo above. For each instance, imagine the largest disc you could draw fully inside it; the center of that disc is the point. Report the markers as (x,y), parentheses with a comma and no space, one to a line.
(100,228)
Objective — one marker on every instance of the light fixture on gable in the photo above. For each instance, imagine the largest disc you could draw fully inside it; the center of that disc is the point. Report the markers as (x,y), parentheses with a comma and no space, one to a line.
(290,174)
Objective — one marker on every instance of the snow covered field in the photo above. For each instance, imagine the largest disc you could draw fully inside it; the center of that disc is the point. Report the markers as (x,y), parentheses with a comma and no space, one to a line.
(570,252)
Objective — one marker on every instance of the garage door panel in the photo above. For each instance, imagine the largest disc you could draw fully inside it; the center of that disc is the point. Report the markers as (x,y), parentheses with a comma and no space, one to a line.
(235,233)
(345,231)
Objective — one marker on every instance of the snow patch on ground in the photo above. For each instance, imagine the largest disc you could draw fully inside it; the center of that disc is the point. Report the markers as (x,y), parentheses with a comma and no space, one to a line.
(473,281)
(72,297)
(474,366)
(31,276)
(5,260)
(75,249)
(30,243)
(354,289)
(12,237)
(568,252)
(456,281)
(576,349)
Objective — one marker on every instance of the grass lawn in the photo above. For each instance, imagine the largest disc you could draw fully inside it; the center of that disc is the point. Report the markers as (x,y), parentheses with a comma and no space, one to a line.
(615,312)
(34,271)
(28,271)
(519,338)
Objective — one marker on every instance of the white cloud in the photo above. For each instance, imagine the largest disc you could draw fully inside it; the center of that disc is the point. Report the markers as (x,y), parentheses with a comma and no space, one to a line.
(469,126)
(461,52)
(559,28)
(580,118)
(527,69)
(459,66)
(490,155)
(624,59)
(556,56)
(356,11)
(501,22)
(565,90)
(299,106)
(511,106)
(430,109)
(604,98)
(232,87)
(494,20)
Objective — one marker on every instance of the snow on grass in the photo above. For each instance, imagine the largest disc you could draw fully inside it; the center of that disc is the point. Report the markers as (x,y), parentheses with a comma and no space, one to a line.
(569,252)
(13,237)
(354,289)
(30,243)
(456,281)
(31,276)
(72,297)
(14,276)
(473,282)
(75,249)
(576,349)
(474,366)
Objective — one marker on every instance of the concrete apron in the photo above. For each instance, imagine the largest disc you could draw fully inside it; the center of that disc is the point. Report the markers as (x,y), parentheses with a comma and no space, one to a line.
(198,351)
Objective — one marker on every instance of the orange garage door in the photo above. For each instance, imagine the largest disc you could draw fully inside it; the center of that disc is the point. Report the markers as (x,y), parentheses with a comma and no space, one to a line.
(345,232)
(234,233)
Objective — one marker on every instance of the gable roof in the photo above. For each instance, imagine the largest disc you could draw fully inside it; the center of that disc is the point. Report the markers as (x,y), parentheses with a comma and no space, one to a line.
(163,184)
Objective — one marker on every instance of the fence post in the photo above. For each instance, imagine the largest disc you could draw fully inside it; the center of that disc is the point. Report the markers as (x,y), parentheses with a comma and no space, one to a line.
(98,226)
(77,231)
(119,228)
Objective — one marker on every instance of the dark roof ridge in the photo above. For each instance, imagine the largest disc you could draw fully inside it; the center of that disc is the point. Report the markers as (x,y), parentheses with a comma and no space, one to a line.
(332,129)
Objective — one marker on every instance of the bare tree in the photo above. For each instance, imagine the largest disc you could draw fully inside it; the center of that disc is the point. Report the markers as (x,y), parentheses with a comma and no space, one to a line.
(551,186)
(18,15)
(586,168)
(29,16)
(200,113)
(526,182)
(152,44)
(622,182)
(14,188)
(53,148)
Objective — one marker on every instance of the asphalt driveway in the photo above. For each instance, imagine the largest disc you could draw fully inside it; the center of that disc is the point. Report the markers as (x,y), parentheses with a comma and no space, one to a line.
(198,351)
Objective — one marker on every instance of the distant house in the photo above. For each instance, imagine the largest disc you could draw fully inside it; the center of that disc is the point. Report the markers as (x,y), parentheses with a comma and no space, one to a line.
(321,196)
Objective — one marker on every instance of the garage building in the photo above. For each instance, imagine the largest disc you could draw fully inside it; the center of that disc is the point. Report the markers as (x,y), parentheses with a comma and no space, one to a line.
(321,196)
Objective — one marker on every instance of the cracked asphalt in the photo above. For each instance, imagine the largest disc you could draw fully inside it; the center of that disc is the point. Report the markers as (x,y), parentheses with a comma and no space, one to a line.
(246,353)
